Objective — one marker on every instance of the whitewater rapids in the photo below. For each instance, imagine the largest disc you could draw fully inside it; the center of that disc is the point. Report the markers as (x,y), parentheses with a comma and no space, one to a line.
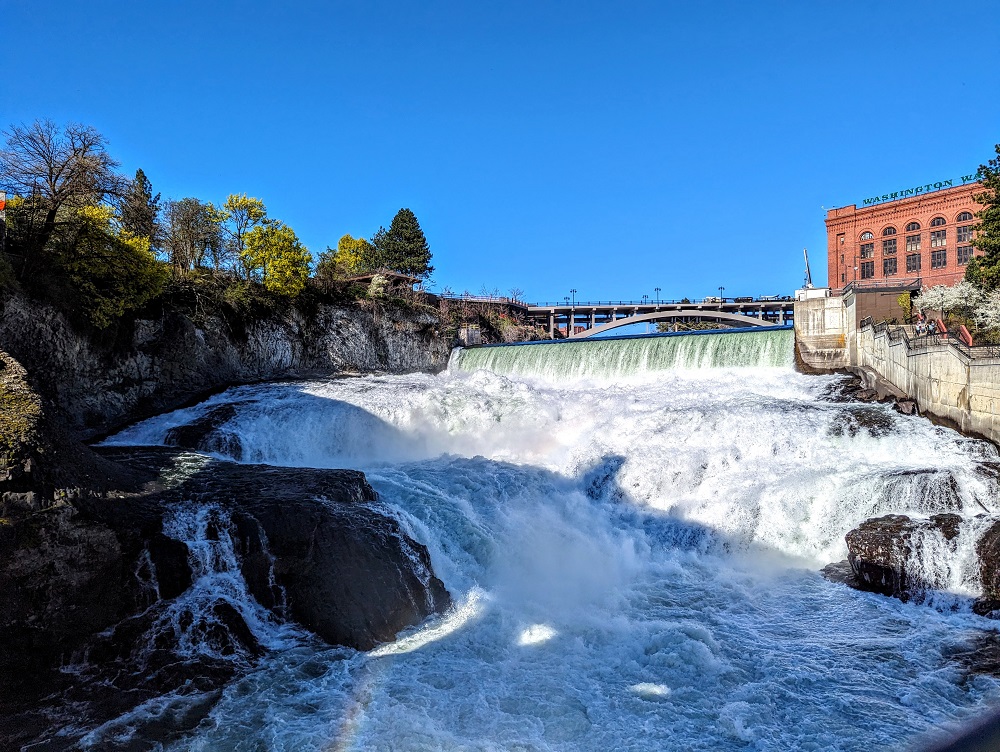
(633,548)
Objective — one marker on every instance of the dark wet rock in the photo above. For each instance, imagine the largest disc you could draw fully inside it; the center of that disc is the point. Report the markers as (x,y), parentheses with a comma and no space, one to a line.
(852,420)
(313,544)
(988,550)
(880,552)
(947,523)
(840,572)
(906,407)
(204,434)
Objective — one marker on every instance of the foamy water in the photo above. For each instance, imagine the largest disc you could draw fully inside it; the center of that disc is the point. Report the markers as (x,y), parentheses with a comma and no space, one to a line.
(633,556)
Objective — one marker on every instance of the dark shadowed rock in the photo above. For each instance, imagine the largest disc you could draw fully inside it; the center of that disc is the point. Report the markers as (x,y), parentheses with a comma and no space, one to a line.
(988,550)
(881,552)
(906,407)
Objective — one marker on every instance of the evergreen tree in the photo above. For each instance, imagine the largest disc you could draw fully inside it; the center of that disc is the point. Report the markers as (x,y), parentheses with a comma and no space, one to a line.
(140,209)
(984,271)
(403,247)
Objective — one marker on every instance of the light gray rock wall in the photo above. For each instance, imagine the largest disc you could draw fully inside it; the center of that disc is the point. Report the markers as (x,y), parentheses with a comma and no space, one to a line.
(166,362)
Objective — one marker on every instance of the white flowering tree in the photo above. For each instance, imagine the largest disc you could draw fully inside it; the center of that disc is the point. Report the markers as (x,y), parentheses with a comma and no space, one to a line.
(963,297)
(987,313)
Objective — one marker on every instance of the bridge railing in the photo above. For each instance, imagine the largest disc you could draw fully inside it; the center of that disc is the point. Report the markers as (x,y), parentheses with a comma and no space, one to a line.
(765,300)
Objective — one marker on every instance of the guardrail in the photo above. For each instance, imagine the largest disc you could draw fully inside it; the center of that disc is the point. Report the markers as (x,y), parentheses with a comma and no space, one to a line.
(765,300)
(898,334)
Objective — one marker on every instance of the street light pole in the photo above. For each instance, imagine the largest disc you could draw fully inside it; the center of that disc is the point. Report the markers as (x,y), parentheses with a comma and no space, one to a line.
(573,292)
(721,288)
(657,295)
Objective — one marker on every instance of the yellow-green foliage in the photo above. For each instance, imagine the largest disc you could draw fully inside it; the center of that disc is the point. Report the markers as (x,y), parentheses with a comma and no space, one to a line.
(112,270)
(275,253)
(20,408)
(354,256)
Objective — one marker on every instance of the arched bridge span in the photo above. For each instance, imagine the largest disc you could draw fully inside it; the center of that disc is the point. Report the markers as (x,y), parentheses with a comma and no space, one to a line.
(721,316)
(585,319)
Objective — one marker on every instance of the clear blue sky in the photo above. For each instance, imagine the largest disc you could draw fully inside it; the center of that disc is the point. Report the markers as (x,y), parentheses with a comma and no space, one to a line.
(609,147)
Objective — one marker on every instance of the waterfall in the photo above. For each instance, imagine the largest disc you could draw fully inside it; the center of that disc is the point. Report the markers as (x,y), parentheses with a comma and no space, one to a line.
(630,356)
(631,531)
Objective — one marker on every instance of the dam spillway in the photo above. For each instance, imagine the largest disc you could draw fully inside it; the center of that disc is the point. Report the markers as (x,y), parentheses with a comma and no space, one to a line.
(609,358)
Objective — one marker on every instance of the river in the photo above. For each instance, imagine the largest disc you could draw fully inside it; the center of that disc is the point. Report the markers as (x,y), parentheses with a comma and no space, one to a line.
(632,532)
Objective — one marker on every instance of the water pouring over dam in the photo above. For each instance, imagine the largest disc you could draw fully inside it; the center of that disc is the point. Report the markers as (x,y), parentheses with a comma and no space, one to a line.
(631,531)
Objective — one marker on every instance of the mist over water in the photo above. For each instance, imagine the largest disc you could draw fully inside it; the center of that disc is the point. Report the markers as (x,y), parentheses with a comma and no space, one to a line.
(631,532)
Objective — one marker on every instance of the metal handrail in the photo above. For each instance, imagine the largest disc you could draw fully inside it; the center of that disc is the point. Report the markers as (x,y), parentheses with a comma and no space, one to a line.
(899,334)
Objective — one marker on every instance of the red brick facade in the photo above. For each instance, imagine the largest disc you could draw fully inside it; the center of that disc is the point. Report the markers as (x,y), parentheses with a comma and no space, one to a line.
(873,243)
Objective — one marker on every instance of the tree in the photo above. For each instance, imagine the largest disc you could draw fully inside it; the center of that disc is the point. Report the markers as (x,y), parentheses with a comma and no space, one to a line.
(56,171)
(241,214)
(984,271)
(108,271)
(274,252)
(192,233)
(139,209)
(403,247)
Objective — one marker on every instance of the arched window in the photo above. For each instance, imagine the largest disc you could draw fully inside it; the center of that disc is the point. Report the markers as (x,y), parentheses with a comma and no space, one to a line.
(867,236)
(913,226)
(964,217)
(888,231)
(938,221)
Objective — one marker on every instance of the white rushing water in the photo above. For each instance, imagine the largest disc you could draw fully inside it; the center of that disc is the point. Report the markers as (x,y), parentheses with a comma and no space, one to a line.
(632,533)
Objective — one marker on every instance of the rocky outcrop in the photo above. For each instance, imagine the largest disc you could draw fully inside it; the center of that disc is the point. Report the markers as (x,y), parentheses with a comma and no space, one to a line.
(884,553)
(158,364)
(342,567)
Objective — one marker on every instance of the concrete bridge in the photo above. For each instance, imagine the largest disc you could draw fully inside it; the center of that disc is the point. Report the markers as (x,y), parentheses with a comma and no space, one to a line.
(588,318)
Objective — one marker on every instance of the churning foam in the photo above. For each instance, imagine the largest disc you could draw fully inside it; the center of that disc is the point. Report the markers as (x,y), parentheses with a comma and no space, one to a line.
(634,563)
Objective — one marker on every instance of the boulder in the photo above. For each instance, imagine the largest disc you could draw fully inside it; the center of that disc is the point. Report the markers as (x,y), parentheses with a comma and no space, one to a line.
(881,552)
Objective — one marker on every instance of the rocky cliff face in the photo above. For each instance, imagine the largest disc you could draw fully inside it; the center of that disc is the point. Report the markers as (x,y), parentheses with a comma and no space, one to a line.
(164,362)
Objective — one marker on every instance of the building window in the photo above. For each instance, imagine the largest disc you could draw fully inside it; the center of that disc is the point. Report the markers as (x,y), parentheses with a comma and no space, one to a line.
(867,236)
(867,250)
(912,243)
(913,262)
(913,227)
(938,239)
(888,231)
(965,234)
(939,259)
(889,247)
(938,221)
(842,277)
(889,267)
(867,269)
(964,217)
(964,254)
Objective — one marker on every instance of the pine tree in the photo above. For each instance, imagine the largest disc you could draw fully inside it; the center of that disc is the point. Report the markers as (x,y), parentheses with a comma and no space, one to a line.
(403,247)
(140,209)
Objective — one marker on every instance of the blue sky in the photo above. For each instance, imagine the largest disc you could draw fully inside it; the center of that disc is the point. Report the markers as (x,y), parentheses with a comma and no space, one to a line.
(608,147)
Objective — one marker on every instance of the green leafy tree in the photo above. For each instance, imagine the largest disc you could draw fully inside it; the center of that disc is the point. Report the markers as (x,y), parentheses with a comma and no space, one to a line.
(403,247)
(139,209)
(274,254)
(108,270)
(984,271)
(240,215)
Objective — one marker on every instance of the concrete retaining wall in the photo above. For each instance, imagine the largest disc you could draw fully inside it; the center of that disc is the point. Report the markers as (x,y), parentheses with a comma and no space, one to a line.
(820,334)
(943,381)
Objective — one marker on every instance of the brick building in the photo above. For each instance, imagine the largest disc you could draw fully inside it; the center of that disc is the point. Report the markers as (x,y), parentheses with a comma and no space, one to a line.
(926,236)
